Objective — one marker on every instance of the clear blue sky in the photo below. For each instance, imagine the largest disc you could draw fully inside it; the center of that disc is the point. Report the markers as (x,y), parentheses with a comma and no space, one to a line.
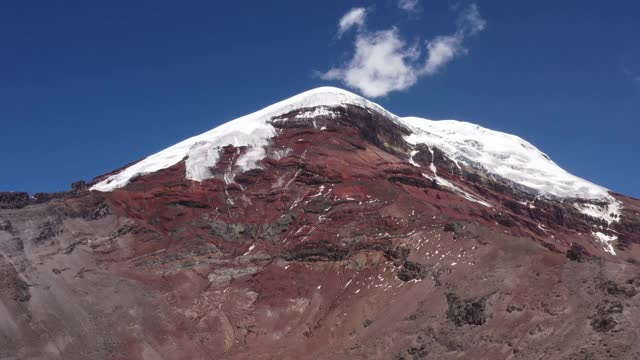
(88,86)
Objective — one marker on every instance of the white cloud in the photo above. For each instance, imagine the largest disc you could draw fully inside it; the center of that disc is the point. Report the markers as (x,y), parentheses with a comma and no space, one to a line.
(383,62)
(410,6)
(441,50)
(470,20)
(353,17)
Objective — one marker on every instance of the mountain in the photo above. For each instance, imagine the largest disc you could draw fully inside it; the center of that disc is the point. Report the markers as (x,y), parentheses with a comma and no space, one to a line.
(325,227)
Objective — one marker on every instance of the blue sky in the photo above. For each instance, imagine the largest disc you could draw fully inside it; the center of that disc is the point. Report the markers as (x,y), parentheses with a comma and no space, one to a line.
(87,86)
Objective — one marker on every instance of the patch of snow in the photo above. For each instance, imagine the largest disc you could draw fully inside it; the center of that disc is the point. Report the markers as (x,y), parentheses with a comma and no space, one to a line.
(608,212)
(318,111)
(250,248)
(606,241)
(320,190)
(411,155)
(281,153)
(433,168)
(443,182)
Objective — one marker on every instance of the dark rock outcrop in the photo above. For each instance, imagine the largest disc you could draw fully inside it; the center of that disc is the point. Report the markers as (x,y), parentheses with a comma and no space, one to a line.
(466,311)
(14,200)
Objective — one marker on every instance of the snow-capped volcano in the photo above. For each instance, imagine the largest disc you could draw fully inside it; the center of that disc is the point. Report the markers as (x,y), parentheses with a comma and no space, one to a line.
(499,154)
(503,157)
(325,227)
